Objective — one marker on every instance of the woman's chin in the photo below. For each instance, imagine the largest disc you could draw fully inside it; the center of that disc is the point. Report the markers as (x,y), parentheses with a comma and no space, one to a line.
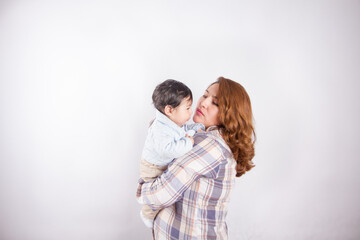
(197,119)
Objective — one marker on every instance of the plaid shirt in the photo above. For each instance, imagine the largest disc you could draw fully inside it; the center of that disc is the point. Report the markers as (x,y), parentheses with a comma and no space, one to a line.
(193,192)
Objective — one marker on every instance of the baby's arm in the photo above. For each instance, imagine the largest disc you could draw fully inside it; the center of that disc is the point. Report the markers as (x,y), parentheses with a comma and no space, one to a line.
(168,147)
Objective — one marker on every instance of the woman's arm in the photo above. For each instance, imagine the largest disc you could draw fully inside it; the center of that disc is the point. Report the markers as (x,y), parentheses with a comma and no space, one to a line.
(202,161)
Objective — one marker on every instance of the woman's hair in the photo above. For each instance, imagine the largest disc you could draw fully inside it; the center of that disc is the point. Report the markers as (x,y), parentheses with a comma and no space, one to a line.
(170,92)
(236,123)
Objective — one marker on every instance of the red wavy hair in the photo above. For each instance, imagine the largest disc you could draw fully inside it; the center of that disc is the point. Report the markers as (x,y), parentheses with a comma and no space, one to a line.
(236,123)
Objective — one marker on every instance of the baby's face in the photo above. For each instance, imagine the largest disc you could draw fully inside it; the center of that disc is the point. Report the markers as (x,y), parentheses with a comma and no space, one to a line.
(182,113)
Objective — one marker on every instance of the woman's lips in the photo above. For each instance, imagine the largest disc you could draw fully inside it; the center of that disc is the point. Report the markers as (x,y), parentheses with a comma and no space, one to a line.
(199,112)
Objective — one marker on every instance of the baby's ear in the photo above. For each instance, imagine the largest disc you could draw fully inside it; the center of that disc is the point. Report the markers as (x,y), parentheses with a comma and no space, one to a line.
(168,110)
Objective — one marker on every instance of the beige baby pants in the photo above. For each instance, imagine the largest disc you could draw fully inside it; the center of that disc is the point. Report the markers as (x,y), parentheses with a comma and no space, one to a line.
(148,172)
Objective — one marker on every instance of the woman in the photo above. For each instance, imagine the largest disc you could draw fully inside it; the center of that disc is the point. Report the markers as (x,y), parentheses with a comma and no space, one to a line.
(193,193)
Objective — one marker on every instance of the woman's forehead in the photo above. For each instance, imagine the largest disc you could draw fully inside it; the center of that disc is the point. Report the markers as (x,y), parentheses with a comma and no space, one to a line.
(213,89)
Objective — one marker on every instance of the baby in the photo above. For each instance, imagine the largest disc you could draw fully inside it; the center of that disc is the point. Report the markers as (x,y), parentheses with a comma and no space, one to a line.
(168,136)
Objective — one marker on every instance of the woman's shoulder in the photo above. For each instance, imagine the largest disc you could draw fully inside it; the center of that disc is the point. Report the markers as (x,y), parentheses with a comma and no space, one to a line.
(212,138)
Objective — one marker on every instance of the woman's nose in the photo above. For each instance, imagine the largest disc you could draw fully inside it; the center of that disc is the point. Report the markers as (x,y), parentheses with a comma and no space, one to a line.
(205,103)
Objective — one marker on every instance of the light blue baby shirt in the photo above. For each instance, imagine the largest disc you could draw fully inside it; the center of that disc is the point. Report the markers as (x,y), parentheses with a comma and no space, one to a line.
(166,140)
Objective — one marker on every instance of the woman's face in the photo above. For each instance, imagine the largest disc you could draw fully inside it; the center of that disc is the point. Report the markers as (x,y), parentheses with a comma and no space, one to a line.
(207,109)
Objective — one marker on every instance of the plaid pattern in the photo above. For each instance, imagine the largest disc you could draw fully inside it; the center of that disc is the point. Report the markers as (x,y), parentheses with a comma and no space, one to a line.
(193,192)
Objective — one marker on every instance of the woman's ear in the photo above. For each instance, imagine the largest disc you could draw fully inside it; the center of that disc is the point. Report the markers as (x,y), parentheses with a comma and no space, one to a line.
(168,110)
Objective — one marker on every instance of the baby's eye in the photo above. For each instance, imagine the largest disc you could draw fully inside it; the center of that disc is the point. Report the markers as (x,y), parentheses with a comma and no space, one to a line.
(204,96)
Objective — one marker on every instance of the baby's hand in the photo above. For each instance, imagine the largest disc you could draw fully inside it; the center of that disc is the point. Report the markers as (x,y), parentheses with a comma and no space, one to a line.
(191,132)
(200,130)
(191,138)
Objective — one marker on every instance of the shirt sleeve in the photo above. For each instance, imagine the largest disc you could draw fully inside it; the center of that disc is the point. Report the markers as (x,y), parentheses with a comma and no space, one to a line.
(202,161)
(194,126)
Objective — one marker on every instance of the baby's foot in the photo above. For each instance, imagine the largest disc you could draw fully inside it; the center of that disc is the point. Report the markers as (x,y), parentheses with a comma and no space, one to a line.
(147,222)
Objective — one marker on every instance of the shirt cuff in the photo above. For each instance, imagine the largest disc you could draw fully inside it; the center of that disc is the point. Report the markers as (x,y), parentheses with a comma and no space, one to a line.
(138,191)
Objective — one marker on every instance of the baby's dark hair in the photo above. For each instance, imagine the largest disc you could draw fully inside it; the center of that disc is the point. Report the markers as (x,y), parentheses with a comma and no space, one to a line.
(170,92)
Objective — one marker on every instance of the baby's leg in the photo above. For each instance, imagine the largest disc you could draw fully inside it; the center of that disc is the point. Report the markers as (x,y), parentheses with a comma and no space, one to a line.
(149,172)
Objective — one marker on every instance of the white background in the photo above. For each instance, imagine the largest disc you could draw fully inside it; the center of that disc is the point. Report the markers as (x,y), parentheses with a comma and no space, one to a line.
(76,80)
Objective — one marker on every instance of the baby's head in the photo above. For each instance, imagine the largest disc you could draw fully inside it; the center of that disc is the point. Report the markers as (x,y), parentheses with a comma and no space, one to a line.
(174,99)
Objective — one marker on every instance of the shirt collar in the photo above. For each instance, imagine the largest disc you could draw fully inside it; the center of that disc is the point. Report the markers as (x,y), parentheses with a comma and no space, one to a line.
(211,128)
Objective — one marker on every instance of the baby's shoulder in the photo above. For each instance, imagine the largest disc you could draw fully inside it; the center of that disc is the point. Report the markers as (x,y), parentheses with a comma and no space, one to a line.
(159,128)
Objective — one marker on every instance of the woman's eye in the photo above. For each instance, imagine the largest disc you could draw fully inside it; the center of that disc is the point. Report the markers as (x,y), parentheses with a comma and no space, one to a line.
(215,104)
